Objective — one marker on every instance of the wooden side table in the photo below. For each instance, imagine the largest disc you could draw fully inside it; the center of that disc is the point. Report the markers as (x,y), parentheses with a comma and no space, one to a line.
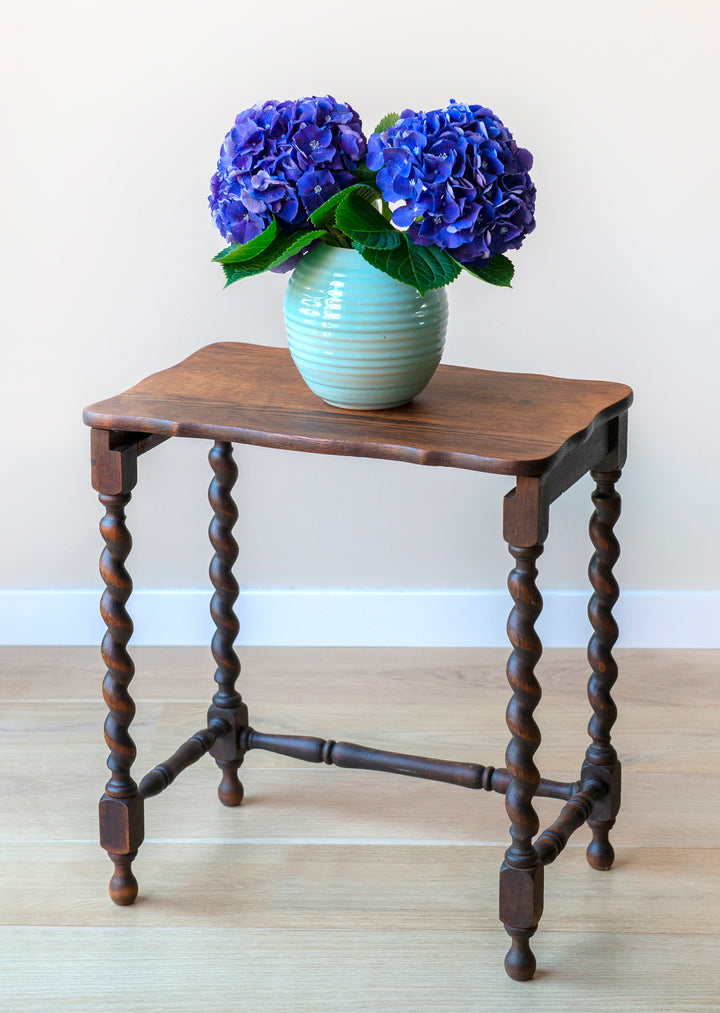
(547,432)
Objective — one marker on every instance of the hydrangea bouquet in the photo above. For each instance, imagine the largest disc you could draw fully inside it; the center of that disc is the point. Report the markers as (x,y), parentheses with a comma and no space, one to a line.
(426,196)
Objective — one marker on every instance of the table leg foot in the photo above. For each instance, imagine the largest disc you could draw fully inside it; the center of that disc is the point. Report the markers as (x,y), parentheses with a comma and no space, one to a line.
(520,963)
(230,789)
(600,852)
(123,887)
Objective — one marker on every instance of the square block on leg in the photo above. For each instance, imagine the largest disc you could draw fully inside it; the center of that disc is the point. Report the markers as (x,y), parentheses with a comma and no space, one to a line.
(228,746)
(607,807)
(521,896)
(122,824)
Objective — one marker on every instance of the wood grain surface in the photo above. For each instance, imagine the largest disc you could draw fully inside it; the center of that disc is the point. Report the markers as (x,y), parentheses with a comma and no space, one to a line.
(504,423)
(335,888)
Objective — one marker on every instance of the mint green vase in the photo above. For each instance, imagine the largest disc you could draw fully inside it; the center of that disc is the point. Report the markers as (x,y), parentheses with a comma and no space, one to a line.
(359,338)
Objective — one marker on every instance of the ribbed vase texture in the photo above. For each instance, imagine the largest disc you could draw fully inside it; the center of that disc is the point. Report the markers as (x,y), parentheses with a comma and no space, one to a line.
(359,338)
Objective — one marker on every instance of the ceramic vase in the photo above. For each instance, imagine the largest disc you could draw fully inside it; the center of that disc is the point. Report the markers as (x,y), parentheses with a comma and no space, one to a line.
(359,338)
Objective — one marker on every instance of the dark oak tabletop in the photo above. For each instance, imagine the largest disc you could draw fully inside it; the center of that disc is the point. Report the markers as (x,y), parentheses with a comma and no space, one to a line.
(505,423)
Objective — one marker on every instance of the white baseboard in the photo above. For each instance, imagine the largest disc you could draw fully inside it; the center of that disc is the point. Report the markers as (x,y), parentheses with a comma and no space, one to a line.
(681,619)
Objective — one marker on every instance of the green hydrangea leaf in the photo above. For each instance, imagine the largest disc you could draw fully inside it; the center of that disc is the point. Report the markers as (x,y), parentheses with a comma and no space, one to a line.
(364,224)
(283,246)
(324,216)
(421,267)
(363,174)
(499,270)
(386,122)
(246,251)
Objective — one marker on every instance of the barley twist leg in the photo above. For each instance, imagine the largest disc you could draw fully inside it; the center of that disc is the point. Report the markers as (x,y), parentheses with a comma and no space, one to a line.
(227,703)
(521,875)
(601,758)
(121,812)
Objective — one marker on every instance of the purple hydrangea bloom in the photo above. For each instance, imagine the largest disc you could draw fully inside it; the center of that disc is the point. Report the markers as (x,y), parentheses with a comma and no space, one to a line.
(461,179)
(284,159)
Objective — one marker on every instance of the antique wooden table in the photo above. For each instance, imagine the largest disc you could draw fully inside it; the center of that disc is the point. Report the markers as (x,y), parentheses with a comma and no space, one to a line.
(547,432)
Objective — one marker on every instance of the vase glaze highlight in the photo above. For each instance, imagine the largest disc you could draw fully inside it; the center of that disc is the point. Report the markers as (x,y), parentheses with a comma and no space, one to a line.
(359,338)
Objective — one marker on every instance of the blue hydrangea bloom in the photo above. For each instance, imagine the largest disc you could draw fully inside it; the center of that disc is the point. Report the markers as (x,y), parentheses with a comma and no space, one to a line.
(461,180)
(284,159)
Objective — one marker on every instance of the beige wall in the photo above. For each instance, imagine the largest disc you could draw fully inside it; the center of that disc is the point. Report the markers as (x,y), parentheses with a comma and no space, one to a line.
(113,116)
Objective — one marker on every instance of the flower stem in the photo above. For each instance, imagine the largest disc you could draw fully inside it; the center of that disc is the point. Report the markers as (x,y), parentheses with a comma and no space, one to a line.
(337,238)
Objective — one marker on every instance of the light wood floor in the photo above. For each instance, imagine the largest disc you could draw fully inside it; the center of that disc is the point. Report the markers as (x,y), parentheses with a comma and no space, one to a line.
(350,890)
